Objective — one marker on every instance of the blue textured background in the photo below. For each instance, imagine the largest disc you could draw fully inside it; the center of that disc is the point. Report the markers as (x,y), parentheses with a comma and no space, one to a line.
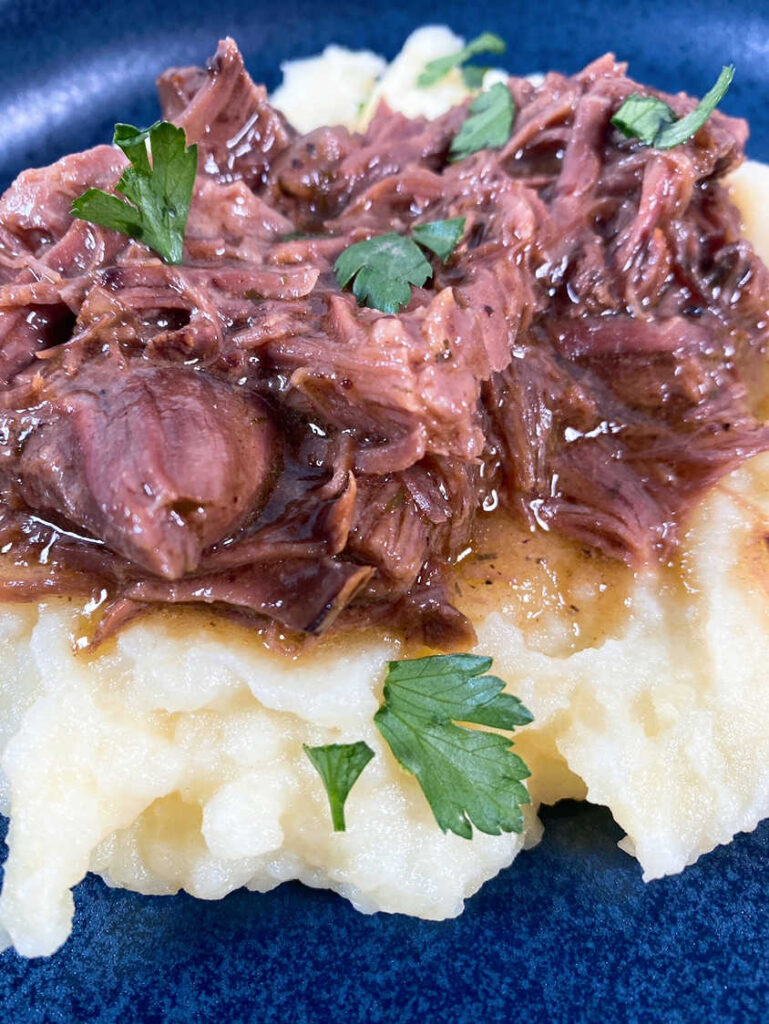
(571,933)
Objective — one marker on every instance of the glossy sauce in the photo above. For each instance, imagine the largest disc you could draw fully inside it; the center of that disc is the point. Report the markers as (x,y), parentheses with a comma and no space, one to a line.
(563,596)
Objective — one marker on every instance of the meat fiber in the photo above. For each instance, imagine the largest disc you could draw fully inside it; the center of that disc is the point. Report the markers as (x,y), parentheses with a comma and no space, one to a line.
(156,461)
(237,431)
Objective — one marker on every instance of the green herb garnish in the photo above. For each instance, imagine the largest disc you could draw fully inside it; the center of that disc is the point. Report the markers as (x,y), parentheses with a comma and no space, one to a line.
(642,117)
(440,236)
(339,766)
(467,775)
(386,266)
(437,69)
(473,76)
(653,122)
(158,194)
(488,123)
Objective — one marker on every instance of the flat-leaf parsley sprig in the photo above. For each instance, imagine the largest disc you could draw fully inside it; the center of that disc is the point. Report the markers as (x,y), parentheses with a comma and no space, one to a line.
(488,124)
(436,70)
(652,121)
(383,268)
(440,236)
(469,776)
(339,766)
(157,194)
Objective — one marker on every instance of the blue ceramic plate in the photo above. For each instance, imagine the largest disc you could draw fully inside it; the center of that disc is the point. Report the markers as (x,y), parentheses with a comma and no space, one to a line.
(570,933)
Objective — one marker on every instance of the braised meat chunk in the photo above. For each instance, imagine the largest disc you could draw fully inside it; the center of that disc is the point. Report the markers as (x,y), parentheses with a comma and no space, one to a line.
(195,457)
(237,430)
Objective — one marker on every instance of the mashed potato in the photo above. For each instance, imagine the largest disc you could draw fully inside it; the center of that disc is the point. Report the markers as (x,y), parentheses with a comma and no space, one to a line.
(345,86)
(340,83)
(174,758)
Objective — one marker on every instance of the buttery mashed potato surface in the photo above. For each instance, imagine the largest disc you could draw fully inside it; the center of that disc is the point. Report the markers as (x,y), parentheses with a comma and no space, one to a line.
(338,83)
(174,759)
(345,86)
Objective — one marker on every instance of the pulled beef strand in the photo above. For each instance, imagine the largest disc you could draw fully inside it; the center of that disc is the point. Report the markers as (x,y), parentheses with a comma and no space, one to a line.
(238,432)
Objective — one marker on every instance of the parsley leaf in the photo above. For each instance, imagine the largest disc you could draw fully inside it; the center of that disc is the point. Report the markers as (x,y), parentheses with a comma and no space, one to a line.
(655,124)
(467,775)
(158,195)
(472,76)
(688,126)
(440,236)
(642,117)
(385,266)
(339,766)
(488,123)
(437,69)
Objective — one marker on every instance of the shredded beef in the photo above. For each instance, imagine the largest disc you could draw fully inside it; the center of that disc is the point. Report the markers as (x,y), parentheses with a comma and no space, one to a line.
(236,431)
